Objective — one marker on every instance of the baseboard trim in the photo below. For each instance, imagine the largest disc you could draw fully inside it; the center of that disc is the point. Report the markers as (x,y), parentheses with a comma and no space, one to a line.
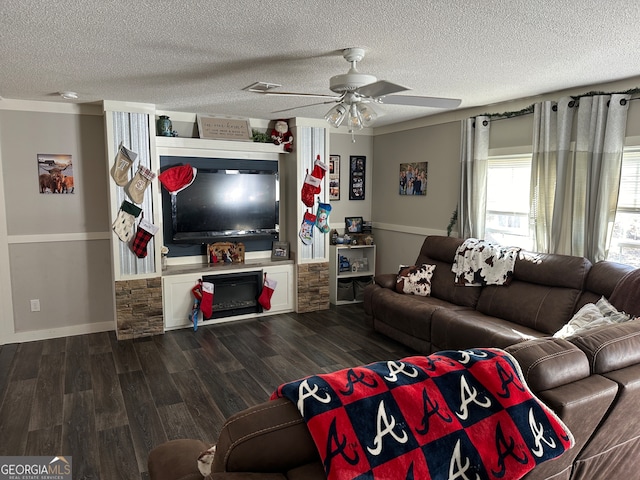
(35,335)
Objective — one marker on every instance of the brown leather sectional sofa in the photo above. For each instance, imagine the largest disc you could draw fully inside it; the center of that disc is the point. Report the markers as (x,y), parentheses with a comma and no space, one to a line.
(591,380)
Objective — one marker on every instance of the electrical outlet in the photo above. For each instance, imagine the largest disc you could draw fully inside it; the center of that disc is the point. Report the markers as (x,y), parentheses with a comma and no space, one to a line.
(35,305)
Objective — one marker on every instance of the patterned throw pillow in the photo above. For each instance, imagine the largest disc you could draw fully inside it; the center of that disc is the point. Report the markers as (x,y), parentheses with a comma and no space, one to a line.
(591,316)
(415,279)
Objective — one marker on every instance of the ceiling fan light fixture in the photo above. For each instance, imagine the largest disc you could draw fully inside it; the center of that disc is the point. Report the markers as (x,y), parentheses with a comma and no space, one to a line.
(367,114)
(336,115)
(355,120)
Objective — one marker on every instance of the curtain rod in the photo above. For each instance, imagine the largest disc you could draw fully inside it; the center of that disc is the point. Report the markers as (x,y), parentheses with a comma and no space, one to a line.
(528,110)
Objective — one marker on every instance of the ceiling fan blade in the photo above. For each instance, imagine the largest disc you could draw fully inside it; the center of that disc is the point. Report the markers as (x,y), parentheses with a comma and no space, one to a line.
(295,94)
(304,106)
(380,89)
(416,101)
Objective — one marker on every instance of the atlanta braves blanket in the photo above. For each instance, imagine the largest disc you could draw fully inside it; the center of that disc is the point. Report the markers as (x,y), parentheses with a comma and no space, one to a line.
(451,415)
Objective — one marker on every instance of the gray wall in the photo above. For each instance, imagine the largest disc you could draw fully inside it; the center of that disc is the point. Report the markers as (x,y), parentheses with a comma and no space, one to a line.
(405,220)
(50,256)
(341,144)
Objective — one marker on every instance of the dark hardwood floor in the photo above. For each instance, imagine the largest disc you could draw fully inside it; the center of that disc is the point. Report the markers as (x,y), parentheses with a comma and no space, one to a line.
(108,403)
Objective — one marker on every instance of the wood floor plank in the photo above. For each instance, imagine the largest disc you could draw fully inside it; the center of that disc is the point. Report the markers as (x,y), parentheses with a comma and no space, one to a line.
(27,361)
(79,436)
(7,354)
(171,353)
(178,422)
(99,342)
(118,461)
(263,374)
(248,388)
(216,384)
(77,372)
(203,410)
(124,355)
(216,350)
(161,386)
(54,345)
(47,404)
(108,402)
(45,442)
(14,416)
(145,425)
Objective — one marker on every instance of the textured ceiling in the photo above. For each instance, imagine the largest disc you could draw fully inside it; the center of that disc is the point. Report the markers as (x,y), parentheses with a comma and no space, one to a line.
(197,56)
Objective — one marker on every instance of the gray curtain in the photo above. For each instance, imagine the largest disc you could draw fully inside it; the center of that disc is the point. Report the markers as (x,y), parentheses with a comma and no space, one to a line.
(473,187)
(576,173)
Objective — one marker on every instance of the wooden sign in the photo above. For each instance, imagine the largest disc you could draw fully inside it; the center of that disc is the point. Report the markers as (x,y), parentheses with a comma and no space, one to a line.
(221,128)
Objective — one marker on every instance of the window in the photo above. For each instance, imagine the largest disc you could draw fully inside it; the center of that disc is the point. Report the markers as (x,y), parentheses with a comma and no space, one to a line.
(508,183)
(625,239)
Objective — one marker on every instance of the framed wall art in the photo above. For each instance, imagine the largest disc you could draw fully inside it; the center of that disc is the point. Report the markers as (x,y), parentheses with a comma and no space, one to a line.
(55,173)
(353,224)
(413,178)
(357,170)
(334,177)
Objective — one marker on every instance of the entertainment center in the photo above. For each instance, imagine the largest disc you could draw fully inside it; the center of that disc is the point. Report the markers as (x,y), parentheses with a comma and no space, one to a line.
(235,197)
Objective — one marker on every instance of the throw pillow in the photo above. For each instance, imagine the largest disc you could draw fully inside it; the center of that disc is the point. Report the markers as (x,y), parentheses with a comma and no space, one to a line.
(415,279)
(610,311)
(590,316)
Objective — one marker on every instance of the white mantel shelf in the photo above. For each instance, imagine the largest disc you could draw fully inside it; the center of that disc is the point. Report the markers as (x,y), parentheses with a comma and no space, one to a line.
(228,145)
(213,268)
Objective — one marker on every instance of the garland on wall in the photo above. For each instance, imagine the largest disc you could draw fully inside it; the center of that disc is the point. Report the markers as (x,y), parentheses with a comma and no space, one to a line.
(529,109)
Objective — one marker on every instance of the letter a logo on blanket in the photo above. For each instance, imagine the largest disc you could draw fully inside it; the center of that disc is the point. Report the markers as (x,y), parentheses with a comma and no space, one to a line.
(460,468)
(389,423)
(398,367)
(469,395)
(538,435)
(306,392)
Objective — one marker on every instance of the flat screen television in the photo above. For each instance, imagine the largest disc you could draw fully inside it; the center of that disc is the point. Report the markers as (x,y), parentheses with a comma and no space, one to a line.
(226,204)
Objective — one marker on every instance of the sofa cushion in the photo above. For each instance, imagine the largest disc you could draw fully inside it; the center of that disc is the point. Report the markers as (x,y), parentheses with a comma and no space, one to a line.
(440,251)
(625,296)
(602,279)
(540,307)
(408,313)
(415,279)
(451,329)
(610,347)
(564,271)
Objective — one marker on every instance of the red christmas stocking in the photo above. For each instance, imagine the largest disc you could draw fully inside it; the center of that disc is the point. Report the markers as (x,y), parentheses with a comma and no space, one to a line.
(267,292)
(206,305)
(146,231)
(319,171)
(310,187)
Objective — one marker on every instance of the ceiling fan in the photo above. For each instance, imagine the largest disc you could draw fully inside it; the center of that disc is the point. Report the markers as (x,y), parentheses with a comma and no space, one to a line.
(354,94)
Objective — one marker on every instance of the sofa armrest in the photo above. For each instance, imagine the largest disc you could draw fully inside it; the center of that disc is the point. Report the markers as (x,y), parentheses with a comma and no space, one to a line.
(269,437)
(386,280)
(176,459)
(550,362)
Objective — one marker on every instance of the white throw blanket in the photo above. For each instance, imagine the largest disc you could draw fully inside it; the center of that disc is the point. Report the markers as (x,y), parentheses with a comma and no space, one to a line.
(478,263)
